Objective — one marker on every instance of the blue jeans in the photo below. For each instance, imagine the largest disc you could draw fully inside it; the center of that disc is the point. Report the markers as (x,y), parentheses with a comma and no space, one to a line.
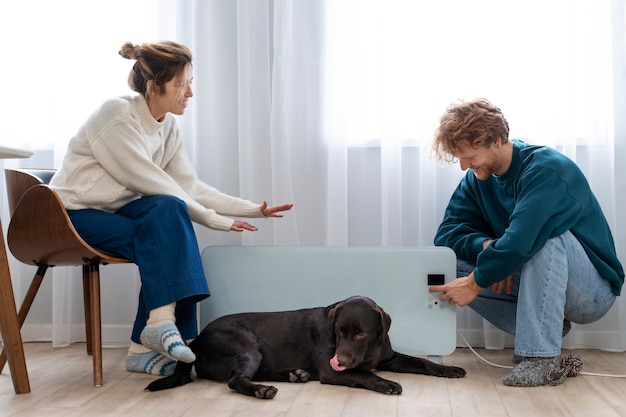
(558,283)
(157,235)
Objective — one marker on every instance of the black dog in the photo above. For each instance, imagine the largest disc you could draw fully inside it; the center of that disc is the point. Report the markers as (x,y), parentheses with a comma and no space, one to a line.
(340,344)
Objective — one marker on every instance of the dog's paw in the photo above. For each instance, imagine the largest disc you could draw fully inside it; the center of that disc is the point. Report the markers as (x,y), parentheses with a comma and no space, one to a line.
(265,392)
(299,375)
(454,372)
(387,387)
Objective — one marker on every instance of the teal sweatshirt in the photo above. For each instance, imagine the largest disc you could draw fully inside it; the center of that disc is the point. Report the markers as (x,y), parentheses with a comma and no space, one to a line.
(542,195)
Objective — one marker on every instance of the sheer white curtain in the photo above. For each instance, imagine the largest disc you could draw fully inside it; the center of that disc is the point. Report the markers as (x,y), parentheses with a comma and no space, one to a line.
(59,63)
(257,124)
(395,65)
(332,105)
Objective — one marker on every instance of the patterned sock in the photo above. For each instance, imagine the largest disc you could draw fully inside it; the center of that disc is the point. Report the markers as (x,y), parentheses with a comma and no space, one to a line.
(161,335)
(141,359)
(137,349)
(531,372)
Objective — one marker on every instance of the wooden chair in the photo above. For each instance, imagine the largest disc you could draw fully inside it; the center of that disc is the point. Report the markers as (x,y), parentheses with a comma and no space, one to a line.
(40,233)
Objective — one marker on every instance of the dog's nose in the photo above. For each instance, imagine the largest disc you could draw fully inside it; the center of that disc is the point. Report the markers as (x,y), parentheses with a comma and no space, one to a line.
(347,361)
(336,365)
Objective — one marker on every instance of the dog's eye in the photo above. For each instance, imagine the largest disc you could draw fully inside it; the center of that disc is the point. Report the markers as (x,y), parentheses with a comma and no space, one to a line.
(360,335)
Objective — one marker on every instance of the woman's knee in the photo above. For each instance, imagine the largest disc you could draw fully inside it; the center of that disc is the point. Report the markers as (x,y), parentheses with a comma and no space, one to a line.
(155,206)
(167,202)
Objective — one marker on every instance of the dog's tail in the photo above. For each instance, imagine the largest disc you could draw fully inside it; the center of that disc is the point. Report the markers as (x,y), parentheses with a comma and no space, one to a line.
(180,377)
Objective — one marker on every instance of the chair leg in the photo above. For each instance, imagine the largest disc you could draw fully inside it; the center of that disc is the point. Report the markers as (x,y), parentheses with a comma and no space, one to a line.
(96,323)
(26,305)
(9,327)
(87,307)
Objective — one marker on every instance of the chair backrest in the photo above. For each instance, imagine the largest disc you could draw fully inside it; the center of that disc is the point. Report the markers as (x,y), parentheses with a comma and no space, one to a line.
(40,230)
(19,180)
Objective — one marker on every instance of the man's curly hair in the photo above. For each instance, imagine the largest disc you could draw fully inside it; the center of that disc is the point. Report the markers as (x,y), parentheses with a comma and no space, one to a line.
(472,123)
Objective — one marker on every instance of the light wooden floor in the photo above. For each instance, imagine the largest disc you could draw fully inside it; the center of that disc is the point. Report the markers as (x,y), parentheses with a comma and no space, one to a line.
(61,384)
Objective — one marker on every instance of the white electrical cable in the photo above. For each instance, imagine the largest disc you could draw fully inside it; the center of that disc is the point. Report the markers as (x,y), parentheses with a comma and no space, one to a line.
(510,367)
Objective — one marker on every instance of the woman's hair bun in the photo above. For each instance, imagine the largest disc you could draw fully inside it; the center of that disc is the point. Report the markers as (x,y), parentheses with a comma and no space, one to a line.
(128,50)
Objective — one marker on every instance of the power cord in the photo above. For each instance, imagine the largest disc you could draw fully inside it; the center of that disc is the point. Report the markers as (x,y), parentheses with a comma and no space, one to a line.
(571,366)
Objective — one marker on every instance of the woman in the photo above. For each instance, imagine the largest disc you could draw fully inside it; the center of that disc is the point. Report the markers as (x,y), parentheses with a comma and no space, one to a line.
(130,189)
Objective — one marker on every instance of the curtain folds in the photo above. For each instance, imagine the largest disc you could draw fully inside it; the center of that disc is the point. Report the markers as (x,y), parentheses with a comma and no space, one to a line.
(352,105)
(332,105)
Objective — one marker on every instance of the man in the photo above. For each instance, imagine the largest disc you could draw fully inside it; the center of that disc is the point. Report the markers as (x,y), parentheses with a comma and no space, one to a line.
(534,249)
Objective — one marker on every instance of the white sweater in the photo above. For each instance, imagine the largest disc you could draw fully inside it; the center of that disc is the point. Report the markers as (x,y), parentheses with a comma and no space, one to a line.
(122,153)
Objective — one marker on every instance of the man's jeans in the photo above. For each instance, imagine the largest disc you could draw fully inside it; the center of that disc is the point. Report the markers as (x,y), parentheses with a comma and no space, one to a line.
(558,283)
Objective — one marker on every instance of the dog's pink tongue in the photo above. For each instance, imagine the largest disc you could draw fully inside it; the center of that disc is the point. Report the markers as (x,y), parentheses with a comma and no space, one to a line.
(334,363)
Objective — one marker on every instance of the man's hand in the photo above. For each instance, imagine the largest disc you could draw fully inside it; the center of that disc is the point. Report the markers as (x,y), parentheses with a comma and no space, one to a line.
(461,291)
(504,285)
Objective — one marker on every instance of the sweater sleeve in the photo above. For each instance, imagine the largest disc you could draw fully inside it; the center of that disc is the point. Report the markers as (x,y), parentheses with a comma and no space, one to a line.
(464,228)
(127,158)
(181,170)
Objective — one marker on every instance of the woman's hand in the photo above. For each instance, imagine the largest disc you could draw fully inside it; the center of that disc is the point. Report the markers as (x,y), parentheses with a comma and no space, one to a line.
(274,211)
(240,226)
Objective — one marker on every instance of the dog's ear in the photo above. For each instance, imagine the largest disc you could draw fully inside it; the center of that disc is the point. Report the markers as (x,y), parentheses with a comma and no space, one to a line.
(385,322)
(332,313)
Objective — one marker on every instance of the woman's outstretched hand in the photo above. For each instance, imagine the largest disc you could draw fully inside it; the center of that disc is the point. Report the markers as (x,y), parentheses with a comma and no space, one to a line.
(240,226)
(274,211)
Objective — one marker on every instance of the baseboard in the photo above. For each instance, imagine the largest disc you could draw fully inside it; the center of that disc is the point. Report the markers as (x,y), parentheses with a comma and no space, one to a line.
(113,336)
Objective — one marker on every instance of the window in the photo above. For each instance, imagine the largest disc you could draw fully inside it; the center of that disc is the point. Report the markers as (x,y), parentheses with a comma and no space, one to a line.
(60,62)
(394,66)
